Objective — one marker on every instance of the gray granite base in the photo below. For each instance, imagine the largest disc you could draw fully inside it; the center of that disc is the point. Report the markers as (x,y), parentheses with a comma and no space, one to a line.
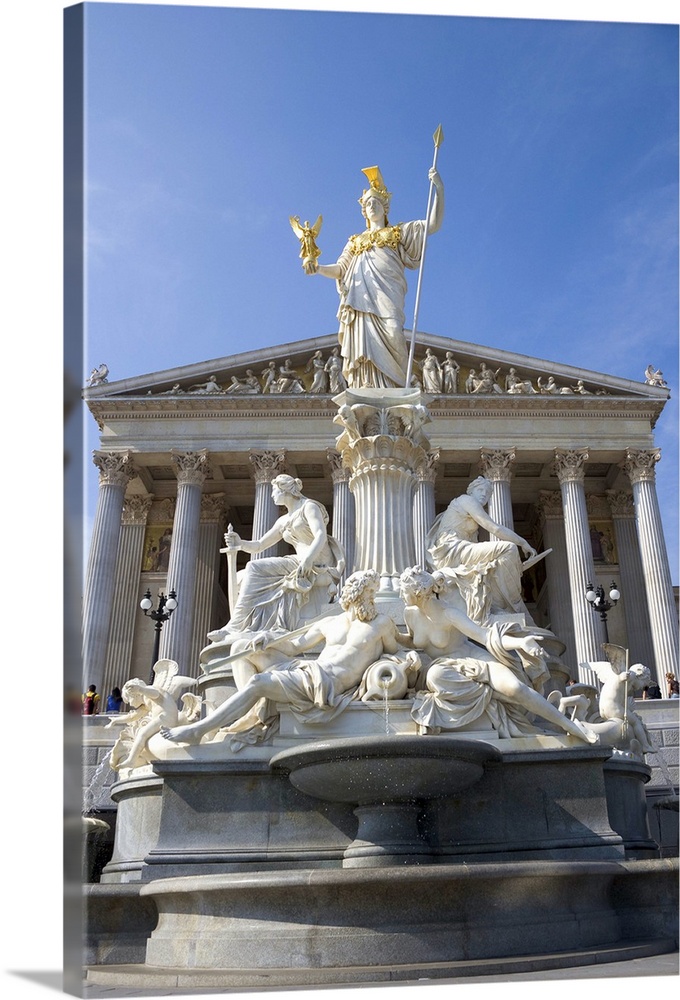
(384,917)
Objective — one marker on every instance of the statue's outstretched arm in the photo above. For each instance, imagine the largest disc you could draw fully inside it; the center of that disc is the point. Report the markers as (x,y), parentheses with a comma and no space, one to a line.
(437,211)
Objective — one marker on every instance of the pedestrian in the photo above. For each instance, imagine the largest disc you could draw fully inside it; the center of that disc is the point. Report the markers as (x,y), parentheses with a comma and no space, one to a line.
(114,702)
(673,686)
(91,701)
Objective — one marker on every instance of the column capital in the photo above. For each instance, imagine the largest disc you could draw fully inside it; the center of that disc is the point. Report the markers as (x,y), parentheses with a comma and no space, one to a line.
(116,468)
(427,472)
(136,509)
(267,464)
(639,465)
(496,464)
(621,503)
(191,467)
(213,507)
(549,504)
(569,464)
(339,472)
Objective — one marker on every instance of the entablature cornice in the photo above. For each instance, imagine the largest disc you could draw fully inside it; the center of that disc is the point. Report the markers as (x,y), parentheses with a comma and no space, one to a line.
(277,408)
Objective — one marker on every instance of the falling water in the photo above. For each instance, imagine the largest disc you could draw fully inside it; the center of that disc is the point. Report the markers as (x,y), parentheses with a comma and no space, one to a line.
(663,767)
(93,792)
(384,684)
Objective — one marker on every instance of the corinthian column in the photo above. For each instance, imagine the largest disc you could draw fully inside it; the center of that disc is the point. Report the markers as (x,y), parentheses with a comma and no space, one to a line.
(211,529)
(424,506)
(631,578)
(557,576)
(115,472)
(588,630)
(383,445)
(496,466)
(344,519)
(126,591)
(266,466)
(191,469)
(639,466)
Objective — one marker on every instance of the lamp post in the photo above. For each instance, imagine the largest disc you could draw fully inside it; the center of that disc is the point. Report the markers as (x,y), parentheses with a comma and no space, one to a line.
(599,603)
(166,605)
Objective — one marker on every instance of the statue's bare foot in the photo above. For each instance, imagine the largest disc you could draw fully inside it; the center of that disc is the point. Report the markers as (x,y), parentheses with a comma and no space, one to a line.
(180,734)
(588,735)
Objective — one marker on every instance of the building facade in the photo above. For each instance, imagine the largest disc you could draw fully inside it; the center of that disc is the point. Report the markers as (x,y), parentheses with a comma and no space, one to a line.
(185,452)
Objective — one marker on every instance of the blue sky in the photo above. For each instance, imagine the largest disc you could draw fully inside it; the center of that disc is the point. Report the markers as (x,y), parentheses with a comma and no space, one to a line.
(207,127)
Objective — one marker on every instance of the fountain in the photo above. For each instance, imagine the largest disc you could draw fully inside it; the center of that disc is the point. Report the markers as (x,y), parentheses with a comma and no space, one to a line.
(344,844)
(388,780)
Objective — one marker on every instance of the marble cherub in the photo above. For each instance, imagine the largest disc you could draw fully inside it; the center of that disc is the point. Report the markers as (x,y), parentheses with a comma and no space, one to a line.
(154,705)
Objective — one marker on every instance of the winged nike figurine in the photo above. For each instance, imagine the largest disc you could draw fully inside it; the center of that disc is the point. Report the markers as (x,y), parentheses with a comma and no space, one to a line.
(307,235)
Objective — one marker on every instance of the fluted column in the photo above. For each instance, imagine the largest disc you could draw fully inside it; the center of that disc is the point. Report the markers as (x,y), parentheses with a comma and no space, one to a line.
(557,576)
(191,469)
(588,630)
(383,445)
(115,472)
(631,578)
(496,466)
(266,466)
(344,516)
(639,466)
(424,506)
(211,529)
(126,593)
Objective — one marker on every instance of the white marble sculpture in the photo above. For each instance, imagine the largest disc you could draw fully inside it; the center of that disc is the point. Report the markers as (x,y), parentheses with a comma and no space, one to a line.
(487,574)
(549,388)
(207,388)
(320,378)
(99,376)
(269,377)
(337,381)
(154,705)
(432,373)
(288,380)
(655,377)
(316,690)
(372,286)
(483,382)
(391,677)
(501,677)
(619,725)
(450,369)
(248,386)
(274,591)
(517,386)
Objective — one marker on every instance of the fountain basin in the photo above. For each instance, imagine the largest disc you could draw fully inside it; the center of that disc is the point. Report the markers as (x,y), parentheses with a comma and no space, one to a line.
(397,768)
(389,779)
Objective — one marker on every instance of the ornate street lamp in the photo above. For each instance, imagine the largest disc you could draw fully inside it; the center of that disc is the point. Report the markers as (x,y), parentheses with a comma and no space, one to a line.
(166,605)
(599,603)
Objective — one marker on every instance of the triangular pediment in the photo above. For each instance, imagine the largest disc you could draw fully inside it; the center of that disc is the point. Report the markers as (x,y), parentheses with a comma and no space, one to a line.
(246,374)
